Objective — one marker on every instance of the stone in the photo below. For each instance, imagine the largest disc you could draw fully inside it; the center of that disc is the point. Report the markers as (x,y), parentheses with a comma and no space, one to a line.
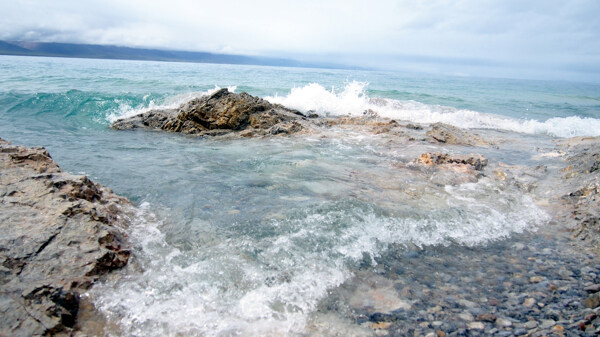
(465,316)
(530,324)
(529,302)
(547,323)
(475,326)
(594,288)
(476,161)
(59,233)
(593,301)
(536,279)
(487,317)
(221,113)
(503,322)
(448,134)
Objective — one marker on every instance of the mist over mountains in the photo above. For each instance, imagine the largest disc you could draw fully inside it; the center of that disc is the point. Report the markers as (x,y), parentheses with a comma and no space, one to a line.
(73,50)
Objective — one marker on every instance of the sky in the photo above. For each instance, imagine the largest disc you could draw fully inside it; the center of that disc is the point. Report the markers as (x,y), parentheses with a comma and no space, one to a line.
(502,38)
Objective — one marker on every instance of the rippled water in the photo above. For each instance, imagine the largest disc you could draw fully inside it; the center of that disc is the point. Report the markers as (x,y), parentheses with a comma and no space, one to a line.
(250,237)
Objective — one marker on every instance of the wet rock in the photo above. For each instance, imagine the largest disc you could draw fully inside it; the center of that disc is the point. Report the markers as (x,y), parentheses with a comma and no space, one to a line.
(593,301)
(529,302)
(581,178)
(486,317)
(58,235)
(476,161)
(476,326)
(223,112)
(448,134)
(594,288)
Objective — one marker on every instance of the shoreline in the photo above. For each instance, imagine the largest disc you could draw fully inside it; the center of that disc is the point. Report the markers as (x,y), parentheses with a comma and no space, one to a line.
(569,193)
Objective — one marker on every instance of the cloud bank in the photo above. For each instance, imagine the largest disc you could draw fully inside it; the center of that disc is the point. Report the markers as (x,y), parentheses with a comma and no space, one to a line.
(530,35)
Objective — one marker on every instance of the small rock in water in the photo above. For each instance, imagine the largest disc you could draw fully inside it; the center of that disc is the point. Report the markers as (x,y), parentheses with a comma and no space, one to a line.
(486,317)
(593,301)
(465,316)
(536,279)
(502,322)
(530,324)
(476,326)
(594,288)
(547,323)
(529,302)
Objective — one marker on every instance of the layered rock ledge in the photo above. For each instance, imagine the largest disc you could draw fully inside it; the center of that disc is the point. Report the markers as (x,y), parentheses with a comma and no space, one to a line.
(59,233)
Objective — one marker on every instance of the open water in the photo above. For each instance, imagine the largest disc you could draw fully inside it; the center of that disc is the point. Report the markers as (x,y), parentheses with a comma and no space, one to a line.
(255,236)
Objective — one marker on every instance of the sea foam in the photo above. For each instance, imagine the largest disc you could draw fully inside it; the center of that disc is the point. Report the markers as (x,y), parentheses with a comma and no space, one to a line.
(352,100)
(270,280)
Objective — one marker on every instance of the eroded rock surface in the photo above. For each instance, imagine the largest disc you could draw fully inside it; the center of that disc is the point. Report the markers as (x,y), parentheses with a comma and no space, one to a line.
(221,113)
(582,176)
(58,235)
(449,134)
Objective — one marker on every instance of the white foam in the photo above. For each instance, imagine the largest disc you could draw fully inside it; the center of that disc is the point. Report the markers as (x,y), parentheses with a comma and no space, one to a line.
(126,110)
(268,284)
(352,100)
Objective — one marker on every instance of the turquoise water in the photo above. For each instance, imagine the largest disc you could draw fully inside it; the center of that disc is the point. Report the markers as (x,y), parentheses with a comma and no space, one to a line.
(247,237)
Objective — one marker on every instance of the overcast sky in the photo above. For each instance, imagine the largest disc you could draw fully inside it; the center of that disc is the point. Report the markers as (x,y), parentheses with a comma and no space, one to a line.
(487,37)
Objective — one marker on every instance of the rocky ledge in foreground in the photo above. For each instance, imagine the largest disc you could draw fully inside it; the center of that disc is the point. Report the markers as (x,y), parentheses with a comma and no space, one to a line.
(221,113)
(58,235)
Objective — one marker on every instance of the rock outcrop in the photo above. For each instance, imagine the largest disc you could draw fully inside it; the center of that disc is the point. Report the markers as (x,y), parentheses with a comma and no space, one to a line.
(221,113)
(58,235)
(582,176)
(448,134)
(477,161)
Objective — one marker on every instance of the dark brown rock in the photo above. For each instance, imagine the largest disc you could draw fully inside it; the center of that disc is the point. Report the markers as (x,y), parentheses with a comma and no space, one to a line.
(58,235)
(223,112)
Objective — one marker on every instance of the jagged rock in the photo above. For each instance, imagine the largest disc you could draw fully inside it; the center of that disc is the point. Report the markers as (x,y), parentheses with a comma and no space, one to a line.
(449,134)
(477,161)
(223,112)
(57,237)
(582,178)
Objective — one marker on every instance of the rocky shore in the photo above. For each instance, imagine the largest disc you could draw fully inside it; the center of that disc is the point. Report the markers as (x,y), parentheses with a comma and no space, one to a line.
(528,288)
(59,234)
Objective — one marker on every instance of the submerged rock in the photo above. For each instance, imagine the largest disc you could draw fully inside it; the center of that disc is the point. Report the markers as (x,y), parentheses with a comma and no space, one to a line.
(58,235)
(223,112)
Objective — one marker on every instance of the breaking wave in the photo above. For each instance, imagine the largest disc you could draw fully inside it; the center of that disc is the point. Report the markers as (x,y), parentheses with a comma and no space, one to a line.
(353,100)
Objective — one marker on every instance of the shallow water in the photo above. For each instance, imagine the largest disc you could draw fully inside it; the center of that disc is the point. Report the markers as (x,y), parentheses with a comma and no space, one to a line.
(274,236)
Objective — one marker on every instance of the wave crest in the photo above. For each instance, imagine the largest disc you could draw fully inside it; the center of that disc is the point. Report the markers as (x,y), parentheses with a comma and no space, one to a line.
(353,100)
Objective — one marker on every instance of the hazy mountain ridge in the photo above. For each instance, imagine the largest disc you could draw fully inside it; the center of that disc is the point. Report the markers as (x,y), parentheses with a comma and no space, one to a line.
(55,49)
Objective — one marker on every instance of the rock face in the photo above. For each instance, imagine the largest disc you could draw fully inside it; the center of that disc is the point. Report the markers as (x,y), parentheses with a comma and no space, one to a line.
(57,237)
(582,175)
(449,134)
(221,113)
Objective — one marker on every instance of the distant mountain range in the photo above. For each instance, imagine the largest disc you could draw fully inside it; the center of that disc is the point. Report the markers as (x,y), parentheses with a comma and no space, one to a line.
(53,49)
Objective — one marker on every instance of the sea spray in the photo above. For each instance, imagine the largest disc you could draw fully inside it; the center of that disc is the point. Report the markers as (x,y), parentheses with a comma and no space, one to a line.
(268,276)
(352,100)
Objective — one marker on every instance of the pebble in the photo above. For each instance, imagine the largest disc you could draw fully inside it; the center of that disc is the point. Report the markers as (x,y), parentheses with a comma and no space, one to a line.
(465,316)
(486,317)
(459,291)
(502,322)
(547,323)
(529,302)
(594,288)
(476,326)
(536,279)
